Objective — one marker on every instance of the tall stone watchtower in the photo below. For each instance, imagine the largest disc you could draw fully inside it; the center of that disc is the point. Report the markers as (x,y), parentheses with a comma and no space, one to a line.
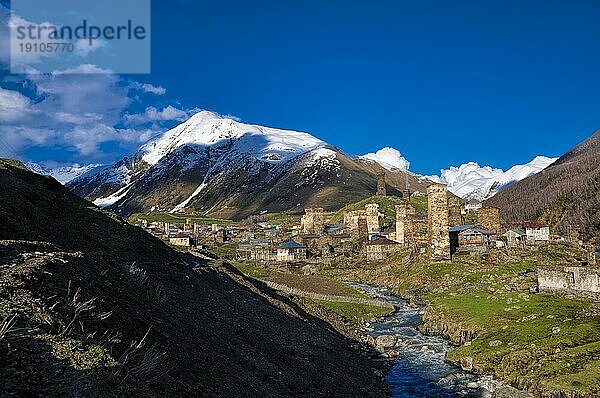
(372,217)
(439,237)
(404,227)
(313,221)
(381,191)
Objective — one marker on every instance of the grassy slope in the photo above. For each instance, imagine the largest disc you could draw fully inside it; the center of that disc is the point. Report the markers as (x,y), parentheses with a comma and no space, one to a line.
(353,312)
(489,296)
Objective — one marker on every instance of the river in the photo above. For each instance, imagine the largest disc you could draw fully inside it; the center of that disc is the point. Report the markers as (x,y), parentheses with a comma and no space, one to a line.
(420,370)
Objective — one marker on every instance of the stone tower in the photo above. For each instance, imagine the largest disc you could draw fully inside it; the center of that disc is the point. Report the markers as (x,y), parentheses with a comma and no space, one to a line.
(404,216)
(439,237)
(313,221)
(362,229)
(381,191)
(372,216)
(454,211)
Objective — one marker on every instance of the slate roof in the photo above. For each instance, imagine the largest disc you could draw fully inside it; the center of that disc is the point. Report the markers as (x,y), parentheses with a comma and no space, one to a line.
(460,228)
(291,245)
(382,241)
(519,231)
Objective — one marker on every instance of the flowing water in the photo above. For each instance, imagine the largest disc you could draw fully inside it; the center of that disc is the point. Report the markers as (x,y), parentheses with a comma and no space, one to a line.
(420,370)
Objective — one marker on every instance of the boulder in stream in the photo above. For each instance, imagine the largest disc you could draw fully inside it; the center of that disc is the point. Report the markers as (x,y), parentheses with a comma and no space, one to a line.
(386,341)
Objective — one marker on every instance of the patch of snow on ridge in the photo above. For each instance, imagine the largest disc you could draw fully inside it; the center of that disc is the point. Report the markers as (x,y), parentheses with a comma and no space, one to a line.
(207,129)
(471,181)
(184,204)
(389,158)
(112,199)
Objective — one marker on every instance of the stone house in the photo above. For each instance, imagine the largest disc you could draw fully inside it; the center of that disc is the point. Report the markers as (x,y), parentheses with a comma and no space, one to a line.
(469,237)
(380,248)
(537,233)
(515,237)
(473,205)
(577,280)
(595,257)
(291,251)
(256,252)
(181,240)
(381,189)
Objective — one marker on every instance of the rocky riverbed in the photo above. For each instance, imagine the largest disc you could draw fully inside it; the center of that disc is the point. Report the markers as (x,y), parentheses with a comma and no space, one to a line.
(419,368)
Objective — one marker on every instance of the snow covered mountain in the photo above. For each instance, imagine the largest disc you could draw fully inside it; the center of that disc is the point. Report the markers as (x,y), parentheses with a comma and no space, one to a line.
(471,181)
(215,165)
(62,174)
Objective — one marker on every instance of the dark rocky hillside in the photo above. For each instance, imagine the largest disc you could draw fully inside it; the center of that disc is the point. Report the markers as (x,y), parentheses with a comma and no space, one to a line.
(567,193)
(91,306)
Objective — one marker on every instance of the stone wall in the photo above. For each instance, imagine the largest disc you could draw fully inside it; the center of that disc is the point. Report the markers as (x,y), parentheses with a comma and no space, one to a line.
(489,218)
(370,215)
(569,279)
(437,213)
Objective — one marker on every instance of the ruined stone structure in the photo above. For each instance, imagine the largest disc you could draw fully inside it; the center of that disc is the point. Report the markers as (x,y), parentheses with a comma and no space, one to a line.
(381,191)
(439,238)
(489,218)
(370,215)
(454,211)
(569,279)
(313,221)
(411,228)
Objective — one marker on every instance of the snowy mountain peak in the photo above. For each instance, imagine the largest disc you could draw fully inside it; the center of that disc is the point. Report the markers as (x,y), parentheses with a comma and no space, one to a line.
(471,181)
(207,129)
(62,174)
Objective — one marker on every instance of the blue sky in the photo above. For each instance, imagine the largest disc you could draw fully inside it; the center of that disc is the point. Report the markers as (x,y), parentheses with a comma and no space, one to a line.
(444,82)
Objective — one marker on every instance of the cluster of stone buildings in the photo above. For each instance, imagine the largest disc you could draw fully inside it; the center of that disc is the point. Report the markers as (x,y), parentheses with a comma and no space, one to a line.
(439,232)
(188,233)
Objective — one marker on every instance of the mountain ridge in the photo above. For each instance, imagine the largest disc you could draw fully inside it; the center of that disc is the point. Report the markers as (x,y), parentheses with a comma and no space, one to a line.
(217,166)
(564,195)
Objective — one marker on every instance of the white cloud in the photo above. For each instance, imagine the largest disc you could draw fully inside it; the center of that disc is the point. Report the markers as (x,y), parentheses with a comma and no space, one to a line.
(83,46)
(152,114)
(13,105)
(389,158)
(75,112)
(148,88)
